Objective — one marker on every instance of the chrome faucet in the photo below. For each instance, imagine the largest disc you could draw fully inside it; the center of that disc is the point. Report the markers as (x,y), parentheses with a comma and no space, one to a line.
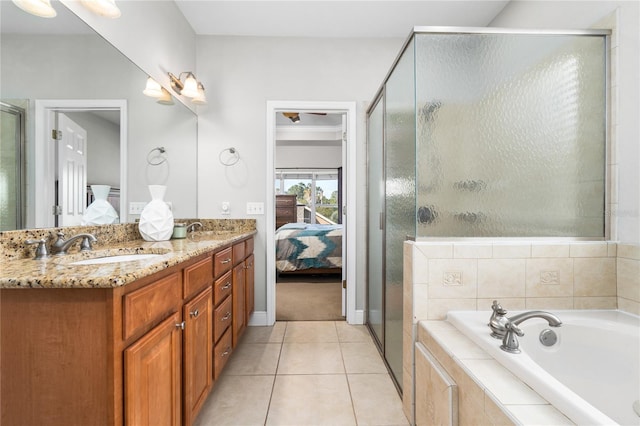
(192,226)
(61,245)
(507,329)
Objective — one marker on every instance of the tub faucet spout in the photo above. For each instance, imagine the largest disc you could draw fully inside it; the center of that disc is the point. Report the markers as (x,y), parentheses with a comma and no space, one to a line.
(553,320)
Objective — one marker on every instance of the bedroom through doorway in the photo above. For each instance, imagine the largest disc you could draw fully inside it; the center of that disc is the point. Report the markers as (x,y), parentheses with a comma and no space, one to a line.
(309,197)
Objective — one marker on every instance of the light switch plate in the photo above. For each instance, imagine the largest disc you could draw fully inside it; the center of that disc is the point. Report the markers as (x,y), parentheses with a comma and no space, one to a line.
(135,207)
(255,208)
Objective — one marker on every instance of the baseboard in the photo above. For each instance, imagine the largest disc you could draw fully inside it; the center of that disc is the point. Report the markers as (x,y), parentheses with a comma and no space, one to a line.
(258,318)
(358,318)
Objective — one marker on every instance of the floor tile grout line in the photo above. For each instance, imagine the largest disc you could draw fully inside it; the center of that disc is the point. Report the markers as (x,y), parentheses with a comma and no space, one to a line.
(275,376)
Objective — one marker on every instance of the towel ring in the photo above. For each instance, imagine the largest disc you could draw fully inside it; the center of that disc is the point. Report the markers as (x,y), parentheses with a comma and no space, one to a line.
(162,158)
(235,157)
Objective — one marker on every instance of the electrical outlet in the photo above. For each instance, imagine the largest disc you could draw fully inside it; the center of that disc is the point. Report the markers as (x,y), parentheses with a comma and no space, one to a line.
(135,207)
(255,208)
(225,208)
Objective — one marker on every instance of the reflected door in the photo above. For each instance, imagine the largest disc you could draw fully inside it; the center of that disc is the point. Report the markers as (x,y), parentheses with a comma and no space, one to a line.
(11,167)
(71,171)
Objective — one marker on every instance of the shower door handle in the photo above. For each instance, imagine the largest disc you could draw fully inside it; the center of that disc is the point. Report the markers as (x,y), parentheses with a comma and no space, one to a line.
(381,220)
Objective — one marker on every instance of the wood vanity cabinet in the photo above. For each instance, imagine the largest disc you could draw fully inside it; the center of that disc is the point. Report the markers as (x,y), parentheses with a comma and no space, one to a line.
(146,353)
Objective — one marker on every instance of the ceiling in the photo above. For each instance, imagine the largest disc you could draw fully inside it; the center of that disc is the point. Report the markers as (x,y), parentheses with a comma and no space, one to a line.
(333,18)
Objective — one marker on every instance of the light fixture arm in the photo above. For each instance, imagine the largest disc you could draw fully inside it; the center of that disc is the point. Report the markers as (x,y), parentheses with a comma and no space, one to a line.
(176,82)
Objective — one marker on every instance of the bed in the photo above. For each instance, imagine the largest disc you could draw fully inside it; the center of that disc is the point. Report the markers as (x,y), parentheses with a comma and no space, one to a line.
(307,248)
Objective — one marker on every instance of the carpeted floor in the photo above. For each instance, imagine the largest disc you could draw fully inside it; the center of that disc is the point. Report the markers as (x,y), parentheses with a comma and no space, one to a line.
(308,301)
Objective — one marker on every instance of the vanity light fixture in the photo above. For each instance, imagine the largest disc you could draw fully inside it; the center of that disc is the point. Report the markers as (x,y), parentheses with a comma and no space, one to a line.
(41,8)
(106,8)
(191,88)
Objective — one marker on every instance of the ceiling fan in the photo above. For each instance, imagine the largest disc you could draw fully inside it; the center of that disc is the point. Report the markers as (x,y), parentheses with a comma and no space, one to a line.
(295,116)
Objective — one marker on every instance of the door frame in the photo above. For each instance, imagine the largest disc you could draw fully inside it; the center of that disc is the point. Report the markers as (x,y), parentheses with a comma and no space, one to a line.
(348,108)
(44,155)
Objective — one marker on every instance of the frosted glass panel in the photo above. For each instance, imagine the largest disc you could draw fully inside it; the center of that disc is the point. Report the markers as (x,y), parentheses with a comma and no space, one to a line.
(399,195)
(11,168)
(510,135)
(375,292)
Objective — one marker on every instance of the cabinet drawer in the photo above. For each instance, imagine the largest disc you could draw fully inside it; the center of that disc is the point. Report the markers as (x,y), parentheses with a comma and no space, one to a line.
(221,288)
(248,247)
(150,304)
(238,252)
(197,277)
(222,318)
(221,353)
(284,212)
(222,262)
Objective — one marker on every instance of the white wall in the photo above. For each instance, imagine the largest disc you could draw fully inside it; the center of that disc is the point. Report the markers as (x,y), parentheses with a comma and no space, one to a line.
(328,157)
(626,88)
(243,73)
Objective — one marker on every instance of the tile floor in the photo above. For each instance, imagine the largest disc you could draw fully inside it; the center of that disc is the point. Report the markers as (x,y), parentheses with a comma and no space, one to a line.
(304,373)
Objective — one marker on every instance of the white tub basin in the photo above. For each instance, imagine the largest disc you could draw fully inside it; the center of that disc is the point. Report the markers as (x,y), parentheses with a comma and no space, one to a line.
(116,259)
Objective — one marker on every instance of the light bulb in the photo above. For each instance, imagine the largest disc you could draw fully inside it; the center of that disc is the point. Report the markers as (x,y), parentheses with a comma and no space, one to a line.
(190,88)
(201,99)
(153,88)
(106,8)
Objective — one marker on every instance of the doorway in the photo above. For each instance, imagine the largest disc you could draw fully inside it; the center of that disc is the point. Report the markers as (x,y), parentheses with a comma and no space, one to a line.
(347,151)
(45,176)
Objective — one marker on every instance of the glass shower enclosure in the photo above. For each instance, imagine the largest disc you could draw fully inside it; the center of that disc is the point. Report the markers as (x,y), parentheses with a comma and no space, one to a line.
(486,133)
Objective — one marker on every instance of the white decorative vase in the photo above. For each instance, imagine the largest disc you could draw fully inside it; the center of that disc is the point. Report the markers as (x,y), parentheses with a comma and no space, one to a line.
(156,219)
(100,212)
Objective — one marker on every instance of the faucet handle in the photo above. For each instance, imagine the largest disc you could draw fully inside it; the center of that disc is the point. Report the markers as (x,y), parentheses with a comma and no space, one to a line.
(41,250)
(85,245)
(498,309)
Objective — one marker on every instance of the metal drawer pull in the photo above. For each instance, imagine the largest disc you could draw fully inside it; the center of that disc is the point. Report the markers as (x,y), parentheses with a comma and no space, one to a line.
(226,316)
(225,261)
(180,325)
(226,352)
(194,313)
(227,285)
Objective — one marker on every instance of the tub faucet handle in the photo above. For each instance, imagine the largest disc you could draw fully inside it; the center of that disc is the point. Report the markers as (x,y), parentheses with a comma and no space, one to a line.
(510,341)
(498,320)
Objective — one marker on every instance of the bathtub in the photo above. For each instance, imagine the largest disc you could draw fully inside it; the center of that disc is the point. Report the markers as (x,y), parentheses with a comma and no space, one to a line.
(592,373)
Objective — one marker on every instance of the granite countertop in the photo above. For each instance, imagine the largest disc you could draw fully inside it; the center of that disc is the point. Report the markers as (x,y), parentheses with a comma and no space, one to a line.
(58,272)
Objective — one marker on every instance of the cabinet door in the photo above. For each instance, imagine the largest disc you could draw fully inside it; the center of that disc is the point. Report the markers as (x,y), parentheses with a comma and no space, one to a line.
(152,376)
(197,355)
(249,287)
(238,323)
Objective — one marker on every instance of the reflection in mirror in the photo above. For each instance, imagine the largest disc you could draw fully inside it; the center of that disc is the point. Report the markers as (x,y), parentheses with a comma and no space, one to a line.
(63,59)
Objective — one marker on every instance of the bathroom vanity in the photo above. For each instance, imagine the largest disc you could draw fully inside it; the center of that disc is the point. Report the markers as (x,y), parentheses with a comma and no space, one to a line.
(139,342)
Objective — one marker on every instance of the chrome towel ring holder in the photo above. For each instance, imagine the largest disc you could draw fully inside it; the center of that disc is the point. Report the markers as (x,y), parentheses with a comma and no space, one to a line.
(157,159)
(231,159)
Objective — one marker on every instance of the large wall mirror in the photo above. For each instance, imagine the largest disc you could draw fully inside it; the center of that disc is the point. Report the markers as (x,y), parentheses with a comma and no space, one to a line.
(59,69)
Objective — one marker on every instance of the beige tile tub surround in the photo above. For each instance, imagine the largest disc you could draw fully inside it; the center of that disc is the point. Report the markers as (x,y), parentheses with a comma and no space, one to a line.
(563,275)
(441,276)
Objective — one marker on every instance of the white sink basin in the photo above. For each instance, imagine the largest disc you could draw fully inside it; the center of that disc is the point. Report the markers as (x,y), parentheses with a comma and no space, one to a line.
(115,259)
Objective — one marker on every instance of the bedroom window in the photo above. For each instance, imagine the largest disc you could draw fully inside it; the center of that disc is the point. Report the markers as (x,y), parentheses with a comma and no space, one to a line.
(317,192)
